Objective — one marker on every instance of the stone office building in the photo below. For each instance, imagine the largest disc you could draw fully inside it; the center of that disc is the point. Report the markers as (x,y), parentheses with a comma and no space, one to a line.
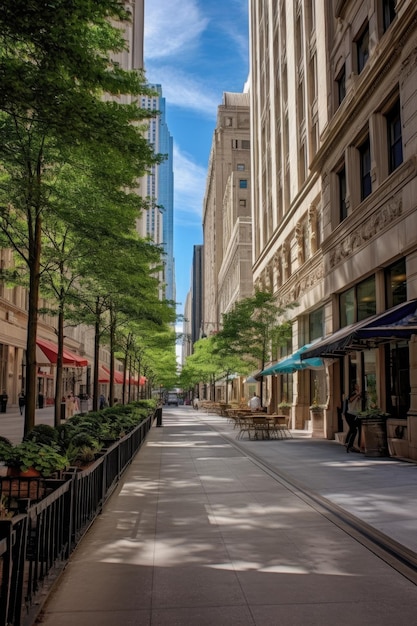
(334,195)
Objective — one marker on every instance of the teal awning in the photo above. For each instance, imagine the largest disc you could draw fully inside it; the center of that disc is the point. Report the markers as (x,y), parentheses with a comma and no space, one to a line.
(293,363)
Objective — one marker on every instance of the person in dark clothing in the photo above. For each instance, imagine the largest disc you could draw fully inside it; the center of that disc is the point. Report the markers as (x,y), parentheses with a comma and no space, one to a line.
(352,406)
(22,402)
(3,402)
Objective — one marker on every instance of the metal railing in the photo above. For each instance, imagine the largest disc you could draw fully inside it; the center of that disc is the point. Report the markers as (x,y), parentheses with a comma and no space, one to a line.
(36,543)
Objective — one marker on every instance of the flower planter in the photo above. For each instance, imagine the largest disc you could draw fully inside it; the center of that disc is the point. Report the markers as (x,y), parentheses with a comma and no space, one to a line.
(317,422)
(16,472)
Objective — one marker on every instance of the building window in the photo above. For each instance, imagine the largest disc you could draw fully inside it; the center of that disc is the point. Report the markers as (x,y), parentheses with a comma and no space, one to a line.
(347,307)
(341,85)
(316,324)
(388,15)
(240,167)
(362,49)
(366,298)
(242,202)
(357,303)
(341,175)
(395,143)
(243,183)
(245,144)
(365,169)
(396,283)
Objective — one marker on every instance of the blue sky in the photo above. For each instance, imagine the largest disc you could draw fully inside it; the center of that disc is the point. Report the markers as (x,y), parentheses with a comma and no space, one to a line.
(196,50)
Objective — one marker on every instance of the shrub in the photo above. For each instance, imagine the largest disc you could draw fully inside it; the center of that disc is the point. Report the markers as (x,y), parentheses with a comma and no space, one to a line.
(42,433)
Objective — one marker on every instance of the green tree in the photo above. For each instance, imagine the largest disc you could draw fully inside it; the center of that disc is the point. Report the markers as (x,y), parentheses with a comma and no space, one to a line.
(56,68)
(253,329)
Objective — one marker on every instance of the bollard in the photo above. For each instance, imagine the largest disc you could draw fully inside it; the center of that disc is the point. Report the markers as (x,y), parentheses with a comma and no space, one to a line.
(159,416)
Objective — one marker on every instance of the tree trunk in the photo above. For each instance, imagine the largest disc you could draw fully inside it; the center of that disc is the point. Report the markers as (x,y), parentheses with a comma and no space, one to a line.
(34,281)
(96,355)
(112,334)
(59,368)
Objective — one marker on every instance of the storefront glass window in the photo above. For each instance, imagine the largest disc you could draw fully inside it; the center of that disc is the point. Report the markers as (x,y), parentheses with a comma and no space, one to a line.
(316,324)
(366,296)
(347,307)
(396,283)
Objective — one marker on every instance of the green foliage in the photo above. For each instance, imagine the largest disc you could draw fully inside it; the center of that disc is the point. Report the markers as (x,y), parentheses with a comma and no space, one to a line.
(46,459)
(5,451)
(70,155)
(42,434)
(255,327)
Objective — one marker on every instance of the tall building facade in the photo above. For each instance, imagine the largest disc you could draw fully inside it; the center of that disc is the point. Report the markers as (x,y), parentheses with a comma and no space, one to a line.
(227,212)
(157,186)
(197,294)
(334,135)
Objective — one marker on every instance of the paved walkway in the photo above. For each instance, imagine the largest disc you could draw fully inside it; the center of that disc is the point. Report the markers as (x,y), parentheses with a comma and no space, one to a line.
(200,533)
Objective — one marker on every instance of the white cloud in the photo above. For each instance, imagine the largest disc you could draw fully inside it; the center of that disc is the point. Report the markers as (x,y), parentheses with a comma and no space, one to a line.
(189,188)
(171,27)
(185,91)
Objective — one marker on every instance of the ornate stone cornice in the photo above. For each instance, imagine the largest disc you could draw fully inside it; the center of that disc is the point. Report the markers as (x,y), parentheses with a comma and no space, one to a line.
(369,229)
(301,282)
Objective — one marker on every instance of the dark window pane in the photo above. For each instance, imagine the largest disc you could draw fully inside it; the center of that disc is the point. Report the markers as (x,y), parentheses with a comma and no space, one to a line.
(388,12)
(362,47)
(366,297)
(365,160)
(341,85)
(395,137)
(316,324)
(342,195)
(347,307)
(396,283)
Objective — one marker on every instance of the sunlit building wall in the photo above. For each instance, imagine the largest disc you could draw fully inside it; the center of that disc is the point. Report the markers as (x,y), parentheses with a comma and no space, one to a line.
(333,96)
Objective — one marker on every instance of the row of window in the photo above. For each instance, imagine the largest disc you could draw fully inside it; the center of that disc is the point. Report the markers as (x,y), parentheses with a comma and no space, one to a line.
(360,301)
(394,155)
(361,44)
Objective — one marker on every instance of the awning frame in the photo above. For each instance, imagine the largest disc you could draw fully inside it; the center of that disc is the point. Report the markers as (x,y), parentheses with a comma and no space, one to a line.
(399,322)
(292,363)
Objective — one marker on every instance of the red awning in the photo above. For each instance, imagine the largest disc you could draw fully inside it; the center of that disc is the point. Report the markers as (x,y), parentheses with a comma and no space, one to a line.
(48,349)
(118,376)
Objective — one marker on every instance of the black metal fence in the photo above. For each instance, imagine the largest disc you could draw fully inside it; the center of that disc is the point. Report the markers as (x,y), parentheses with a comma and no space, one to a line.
(36,543)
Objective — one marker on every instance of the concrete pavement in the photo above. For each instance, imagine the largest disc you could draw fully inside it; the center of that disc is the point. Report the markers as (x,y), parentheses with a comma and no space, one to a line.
(201,532)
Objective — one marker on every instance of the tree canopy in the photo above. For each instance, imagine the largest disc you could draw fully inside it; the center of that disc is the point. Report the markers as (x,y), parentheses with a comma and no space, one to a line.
(72,149)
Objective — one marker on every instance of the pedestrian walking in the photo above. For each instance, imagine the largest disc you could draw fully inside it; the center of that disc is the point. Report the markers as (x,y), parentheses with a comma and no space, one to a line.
(3,401)
(22,402)
(352,406)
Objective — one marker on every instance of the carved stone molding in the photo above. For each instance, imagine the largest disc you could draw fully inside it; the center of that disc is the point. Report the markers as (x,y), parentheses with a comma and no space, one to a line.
(366,231)
(299,235)
(312,226)
(302,283)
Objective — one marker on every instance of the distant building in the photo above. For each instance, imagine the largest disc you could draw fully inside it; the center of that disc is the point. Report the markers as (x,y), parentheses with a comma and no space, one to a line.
(227,212)
(157,187)
(197,293)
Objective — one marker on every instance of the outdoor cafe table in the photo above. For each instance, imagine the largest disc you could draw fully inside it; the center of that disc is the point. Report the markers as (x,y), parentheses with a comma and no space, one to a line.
(264,426)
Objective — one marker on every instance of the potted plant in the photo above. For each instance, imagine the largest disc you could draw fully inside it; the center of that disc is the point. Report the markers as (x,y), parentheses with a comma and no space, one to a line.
(373,431)
(317,412)
(284,408)
(32,459)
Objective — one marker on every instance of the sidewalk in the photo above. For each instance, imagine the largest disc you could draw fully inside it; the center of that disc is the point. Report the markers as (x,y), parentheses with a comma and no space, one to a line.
(200,533)
(12,423)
